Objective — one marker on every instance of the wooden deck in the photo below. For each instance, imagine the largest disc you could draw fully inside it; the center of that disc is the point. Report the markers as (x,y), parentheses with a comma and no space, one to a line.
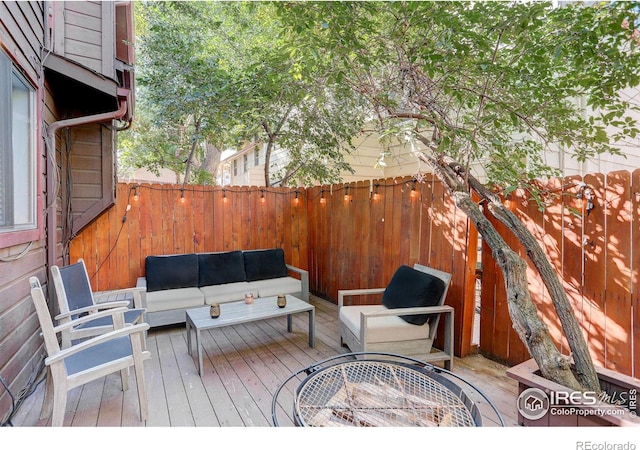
(243,367)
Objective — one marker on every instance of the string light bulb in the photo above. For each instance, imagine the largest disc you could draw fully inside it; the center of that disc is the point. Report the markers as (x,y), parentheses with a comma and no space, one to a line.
(413,192)
(262,199)
(296,200)
(376,196)
(322,199)
(182,199)
(224,195)
(136,197)
(346,193)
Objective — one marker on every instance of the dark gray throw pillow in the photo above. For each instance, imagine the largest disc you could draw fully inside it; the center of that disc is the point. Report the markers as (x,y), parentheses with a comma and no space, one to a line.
(264,264)
(171,272)
(411,288)
(220,268)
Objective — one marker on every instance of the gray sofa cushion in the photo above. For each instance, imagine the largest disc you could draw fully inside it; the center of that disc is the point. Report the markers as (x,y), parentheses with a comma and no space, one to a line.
(171,272)
(228,292)
(220,268)
(264,264)
(174,299)
(411,288)
(276,286)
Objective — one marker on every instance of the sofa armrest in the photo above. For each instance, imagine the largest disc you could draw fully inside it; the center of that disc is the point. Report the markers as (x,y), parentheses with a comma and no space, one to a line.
(342,293)
(304,279)
(142,284)
(116,294)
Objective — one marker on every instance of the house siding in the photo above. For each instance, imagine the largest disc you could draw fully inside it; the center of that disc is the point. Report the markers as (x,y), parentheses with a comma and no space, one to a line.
(21,350)
(85,33)
(78,168)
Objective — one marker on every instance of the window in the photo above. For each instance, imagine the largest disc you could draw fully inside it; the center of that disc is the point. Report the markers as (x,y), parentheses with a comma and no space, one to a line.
(245,162)
(256,157)
(235,167)
(17,149)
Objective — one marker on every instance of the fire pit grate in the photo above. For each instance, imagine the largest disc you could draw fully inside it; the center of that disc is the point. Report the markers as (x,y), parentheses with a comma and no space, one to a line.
(377,393)
(380,393)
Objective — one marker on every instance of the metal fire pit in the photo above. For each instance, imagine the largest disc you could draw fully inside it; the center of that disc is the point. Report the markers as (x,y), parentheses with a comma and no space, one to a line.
(392,391)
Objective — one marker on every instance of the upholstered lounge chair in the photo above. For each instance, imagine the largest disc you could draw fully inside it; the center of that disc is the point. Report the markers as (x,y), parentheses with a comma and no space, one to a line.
(406,322)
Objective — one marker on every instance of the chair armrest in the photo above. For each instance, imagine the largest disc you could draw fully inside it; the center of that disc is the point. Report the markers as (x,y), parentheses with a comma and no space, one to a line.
(89,309)
(408,311)
(126,331)
(342,293)
(116,313)
(304,279)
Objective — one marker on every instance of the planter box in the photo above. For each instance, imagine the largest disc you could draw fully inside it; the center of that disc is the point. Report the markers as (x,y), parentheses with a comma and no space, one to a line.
(570,408)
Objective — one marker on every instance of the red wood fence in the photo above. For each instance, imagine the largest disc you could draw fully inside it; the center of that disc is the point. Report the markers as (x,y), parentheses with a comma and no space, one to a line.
(344,244)
(360,233)
(209,219)
(360,240)
(596,253)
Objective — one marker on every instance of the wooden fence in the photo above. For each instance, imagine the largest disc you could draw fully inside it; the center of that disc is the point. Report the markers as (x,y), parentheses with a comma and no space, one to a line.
(353,243)
(355,235)
(360,233)
(209,219)
(596,252)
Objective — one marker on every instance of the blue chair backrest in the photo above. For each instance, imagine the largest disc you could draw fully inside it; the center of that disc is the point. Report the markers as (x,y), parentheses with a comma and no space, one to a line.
(76,286)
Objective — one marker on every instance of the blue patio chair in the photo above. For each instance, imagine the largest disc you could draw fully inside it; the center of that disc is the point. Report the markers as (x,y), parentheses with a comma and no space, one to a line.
(76,298)
(114,351)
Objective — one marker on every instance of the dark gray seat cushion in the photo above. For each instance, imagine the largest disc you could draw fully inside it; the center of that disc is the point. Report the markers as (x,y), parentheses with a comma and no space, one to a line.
(171,272)
(411,288)
(220,268)
(264,264)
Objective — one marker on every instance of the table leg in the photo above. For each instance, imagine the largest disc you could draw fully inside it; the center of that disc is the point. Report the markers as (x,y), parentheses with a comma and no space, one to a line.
(199,350)
(312,328)
(188,325)
(289,323)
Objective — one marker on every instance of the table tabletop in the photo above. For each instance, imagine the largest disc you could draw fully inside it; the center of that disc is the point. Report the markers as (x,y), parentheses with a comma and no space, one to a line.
(239,312)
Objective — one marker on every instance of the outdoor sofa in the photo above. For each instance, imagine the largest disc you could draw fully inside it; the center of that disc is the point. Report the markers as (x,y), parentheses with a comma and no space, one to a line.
(175,283)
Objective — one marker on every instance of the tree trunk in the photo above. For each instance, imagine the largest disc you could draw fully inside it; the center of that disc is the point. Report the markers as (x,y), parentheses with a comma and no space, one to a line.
(524,315)
(211,160)
(194,145)
(267,162)
(585,370)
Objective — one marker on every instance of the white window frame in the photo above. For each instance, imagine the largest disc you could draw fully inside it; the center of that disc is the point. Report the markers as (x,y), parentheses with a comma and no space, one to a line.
(18,150)
(256,157)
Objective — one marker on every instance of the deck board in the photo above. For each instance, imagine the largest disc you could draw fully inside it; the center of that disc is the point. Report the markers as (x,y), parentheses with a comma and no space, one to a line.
(243,366)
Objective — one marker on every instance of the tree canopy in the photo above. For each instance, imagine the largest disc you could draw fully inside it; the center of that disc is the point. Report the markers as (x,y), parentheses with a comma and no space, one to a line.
(500,83)
(214,75)
(494,86)
(484,89)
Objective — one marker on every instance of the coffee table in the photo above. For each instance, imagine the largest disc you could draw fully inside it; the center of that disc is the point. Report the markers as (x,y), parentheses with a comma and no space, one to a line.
(234,313)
